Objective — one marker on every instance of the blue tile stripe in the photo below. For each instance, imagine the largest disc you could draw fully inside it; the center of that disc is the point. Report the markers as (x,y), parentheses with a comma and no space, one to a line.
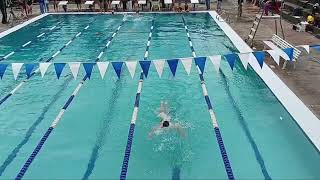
(47,32)
(223,152)
(34,154)
(48,60)
(126,158)
(57,119)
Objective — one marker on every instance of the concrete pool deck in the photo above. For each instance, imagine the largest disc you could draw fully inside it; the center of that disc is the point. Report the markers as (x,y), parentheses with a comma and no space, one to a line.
(306,120)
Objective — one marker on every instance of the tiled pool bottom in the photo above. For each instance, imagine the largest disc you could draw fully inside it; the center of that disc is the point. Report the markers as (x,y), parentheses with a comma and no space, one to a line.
(260,137)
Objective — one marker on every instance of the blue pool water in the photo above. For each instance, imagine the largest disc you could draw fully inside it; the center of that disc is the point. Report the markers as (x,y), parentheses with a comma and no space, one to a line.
(261,138)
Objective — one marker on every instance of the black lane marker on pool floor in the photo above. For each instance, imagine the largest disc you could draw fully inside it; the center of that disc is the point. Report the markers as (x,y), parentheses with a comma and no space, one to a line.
(176,173)
(101,136)
(245,128)
(32,128)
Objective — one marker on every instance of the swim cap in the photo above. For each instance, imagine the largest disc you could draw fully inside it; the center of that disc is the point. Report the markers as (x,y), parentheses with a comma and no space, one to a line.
(165,124)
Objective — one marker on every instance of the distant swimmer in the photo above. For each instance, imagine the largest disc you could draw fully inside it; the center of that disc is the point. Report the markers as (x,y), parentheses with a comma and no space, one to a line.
(166,123)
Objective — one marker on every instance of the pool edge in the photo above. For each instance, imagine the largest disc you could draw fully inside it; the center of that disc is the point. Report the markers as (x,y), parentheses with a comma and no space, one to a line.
(19,26)
(307,121)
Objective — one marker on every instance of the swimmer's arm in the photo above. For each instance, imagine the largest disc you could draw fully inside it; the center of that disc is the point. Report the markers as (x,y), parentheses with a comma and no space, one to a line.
(152,132)
(180,129)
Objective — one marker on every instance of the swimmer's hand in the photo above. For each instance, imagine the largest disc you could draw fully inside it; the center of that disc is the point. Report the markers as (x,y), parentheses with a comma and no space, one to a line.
(152,132)
(179,129)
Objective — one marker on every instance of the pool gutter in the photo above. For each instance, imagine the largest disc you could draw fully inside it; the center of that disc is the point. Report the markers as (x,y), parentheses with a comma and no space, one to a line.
(17,27)
(307,121)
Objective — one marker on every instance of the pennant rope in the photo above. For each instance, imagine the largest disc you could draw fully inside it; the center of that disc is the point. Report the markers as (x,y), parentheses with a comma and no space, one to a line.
(55,122)
(3,99)
(159,65)
(216,62)
(131,65)
(212,115)
(187,64)
(16,67)
(102,66)
(244,58)
(259,56)
(125,163)
(74,68)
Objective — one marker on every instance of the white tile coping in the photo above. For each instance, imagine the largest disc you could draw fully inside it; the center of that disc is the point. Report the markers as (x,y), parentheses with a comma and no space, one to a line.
(307,121)
(89,2)
(17,27)
(61,3)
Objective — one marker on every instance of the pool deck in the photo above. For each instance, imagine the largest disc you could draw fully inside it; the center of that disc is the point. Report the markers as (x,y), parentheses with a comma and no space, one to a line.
(308,122)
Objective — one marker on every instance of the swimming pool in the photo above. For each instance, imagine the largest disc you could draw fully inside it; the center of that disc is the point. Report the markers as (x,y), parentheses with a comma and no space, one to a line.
(261,138)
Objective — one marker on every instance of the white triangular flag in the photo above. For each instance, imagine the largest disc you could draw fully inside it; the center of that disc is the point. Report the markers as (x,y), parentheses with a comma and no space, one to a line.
(131,65)
(306,47)
(159,64)
(102,66)
(274,56)
(16,67)
(216,61)
(43,68)
(244,59)
(74,68)
(187,63)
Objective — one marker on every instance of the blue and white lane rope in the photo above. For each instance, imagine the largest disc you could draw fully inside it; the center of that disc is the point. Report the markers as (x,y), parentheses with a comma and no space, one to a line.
(223,151)
(59,116)
(5,57)
(126,157)
(2,100)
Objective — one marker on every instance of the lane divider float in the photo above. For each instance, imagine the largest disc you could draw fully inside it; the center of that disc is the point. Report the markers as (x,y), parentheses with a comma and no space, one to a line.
(214,122)
(29,42)
(126,157)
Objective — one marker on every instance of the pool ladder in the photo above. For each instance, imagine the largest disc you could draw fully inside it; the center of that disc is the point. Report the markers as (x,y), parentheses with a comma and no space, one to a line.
(256,23)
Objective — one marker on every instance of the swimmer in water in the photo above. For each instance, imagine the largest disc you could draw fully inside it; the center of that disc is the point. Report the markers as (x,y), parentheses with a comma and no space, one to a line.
(165,122)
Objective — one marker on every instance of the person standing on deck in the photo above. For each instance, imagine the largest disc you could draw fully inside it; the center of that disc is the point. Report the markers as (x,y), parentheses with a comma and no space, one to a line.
(42,6)
(208,4)
(3,9)
(219,6)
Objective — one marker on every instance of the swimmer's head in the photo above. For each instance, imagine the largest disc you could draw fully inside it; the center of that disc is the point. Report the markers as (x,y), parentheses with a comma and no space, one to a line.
(165,124)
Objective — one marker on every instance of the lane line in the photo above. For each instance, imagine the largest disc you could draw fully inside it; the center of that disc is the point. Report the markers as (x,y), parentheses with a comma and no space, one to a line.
(126,157)
(55,121)
(13,154)
(29,42)
(6,97)
(214,122)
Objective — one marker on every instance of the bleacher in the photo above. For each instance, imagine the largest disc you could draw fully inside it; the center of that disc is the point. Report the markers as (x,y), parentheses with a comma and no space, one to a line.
(290,6)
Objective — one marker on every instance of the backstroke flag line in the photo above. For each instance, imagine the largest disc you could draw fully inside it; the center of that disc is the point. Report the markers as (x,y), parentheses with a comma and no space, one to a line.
(159,65)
